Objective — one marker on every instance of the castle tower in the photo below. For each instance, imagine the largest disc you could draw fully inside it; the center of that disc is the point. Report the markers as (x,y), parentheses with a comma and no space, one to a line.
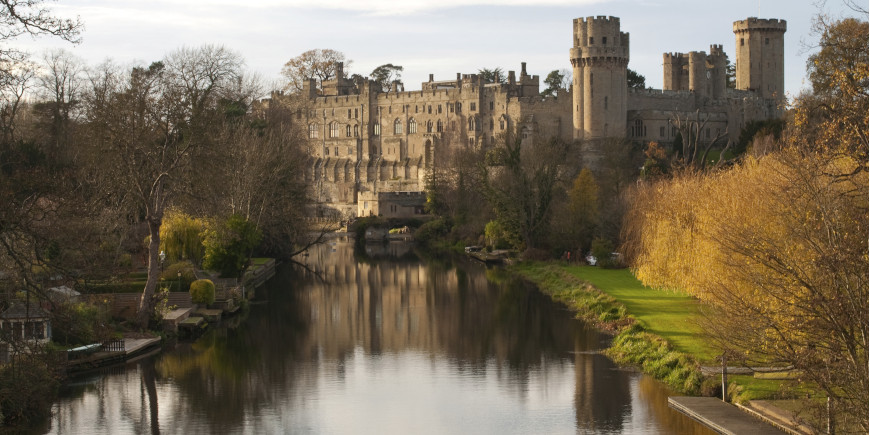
(698,73)
(599,59)
(759,62)
(717,71)
(672,67)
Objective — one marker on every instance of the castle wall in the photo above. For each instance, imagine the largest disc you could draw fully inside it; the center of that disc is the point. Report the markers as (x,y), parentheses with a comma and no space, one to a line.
(365,141)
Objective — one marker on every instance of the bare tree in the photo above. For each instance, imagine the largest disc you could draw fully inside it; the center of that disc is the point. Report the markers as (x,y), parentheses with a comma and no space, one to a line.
(692,127)
(19,17)
(14,85)
(317,63)
(146,125)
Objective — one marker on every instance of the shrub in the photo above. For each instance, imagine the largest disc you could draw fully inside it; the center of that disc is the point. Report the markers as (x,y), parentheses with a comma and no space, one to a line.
(433,231)
(185,268)
(202,292)
(228,246)
(28,388)
(80,323)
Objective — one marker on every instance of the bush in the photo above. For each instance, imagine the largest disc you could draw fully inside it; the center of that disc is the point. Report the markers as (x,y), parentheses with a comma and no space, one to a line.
(433,231)
(202,292)
(228,246)
(79,324)
(185,268)
(28,388)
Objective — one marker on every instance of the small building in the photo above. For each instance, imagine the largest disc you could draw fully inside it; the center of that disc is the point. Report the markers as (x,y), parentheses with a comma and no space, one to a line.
(63,294)
(392,204)
(25,322)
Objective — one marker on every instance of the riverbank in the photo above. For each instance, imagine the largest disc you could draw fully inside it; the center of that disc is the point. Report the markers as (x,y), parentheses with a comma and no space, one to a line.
(655,330)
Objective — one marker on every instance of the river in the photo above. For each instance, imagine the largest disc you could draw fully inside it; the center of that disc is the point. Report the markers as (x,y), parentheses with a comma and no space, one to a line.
(379,342)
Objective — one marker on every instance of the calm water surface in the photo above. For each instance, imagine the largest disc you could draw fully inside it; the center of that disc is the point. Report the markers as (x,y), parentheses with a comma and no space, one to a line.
(379,342)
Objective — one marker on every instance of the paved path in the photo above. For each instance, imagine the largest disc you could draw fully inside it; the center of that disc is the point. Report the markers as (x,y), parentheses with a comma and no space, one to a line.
(131,345)
(720,416)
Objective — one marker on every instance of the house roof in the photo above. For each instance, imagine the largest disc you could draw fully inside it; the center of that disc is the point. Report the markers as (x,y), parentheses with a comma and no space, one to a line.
(18,310)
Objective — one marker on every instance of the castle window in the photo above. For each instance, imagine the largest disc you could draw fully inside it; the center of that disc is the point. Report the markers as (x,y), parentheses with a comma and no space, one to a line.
(591,40)
(470,124)
(604,40)
(333,129)
(356,131)
(326,151)
(390,109)
(416,109)
(766,41)
(348,113)
(429,127)
(638,129)
(741,42)
(490,124)
(412,126)
(403,108)
(491,104)
(473,107)
(430,109)
(312,131)
(347,130)
(336,151)
(376,129)
(440,126)
(439,108)
(458,107)
(501,124)
(355,113)
(349,150)
(397,126)
(450,107)
(662,131)
(471,141)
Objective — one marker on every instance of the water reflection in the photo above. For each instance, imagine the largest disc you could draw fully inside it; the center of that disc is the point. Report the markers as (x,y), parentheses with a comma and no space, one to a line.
(380,342)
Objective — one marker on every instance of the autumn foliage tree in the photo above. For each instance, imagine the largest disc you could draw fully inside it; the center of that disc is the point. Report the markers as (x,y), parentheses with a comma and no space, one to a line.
(777,245)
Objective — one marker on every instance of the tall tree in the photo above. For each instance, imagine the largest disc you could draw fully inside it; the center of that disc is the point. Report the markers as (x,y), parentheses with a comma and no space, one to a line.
(60,86)
(557,79)
(495,75)
(386,74)
(521,182)
(145,125)
(833,118)
(317,63)
(634,79)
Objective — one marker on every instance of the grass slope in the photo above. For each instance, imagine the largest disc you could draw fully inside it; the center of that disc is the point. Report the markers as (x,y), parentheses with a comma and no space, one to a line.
(668,314)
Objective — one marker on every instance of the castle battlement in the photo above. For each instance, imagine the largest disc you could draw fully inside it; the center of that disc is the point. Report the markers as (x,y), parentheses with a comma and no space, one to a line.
(753,23)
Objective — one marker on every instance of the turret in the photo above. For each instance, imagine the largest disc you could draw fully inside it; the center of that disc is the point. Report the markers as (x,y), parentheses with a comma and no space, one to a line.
(759,63)
(599,59)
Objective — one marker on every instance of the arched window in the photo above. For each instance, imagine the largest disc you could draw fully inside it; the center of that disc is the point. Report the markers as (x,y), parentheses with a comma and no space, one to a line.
(412,126)
(312,131)
(429,126)
(356,131)
(333,129)
(347,130)
(458,107)
(440,126)
(470,124)
(376,129)
(397,126)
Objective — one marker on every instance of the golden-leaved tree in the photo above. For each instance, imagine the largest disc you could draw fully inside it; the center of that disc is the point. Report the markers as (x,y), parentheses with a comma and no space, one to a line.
(777,246)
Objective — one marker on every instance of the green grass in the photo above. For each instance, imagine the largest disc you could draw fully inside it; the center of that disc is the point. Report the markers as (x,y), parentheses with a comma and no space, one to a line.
(668,314)
(259,261)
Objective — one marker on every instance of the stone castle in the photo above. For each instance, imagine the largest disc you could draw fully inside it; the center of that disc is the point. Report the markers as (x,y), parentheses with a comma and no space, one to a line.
(371,148)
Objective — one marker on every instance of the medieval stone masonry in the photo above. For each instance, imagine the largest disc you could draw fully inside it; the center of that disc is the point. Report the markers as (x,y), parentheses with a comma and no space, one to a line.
(368,144)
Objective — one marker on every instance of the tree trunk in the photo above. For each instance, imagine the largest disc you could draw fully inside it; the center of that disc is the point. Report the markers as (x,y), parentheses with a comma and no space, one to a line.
(146,302)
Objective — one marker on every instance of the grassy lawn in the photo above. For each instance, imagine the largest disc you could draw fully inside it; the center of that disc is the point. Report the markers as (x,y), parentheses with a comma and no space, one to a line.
(671,315)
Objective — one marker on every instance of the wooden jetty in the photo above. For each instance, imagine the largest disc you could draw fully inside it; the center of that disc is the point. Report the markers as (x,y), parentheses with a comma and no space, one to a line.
(722,417)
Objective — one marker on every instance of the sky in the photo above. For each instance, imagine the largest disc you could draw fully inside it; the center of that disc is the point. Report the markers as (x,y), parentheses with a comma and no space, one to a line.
(440,37)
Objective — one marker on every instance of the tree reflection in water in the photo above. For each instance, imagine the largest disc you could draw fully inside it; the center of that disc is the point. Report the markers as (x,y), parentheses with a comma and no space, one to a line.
(389,343)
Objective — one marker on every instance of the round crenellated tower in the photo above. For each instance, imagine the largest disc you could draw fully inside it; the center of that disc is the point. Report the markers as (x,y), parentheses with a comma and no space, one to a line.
(718,80)
(599,58)
(759,63)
